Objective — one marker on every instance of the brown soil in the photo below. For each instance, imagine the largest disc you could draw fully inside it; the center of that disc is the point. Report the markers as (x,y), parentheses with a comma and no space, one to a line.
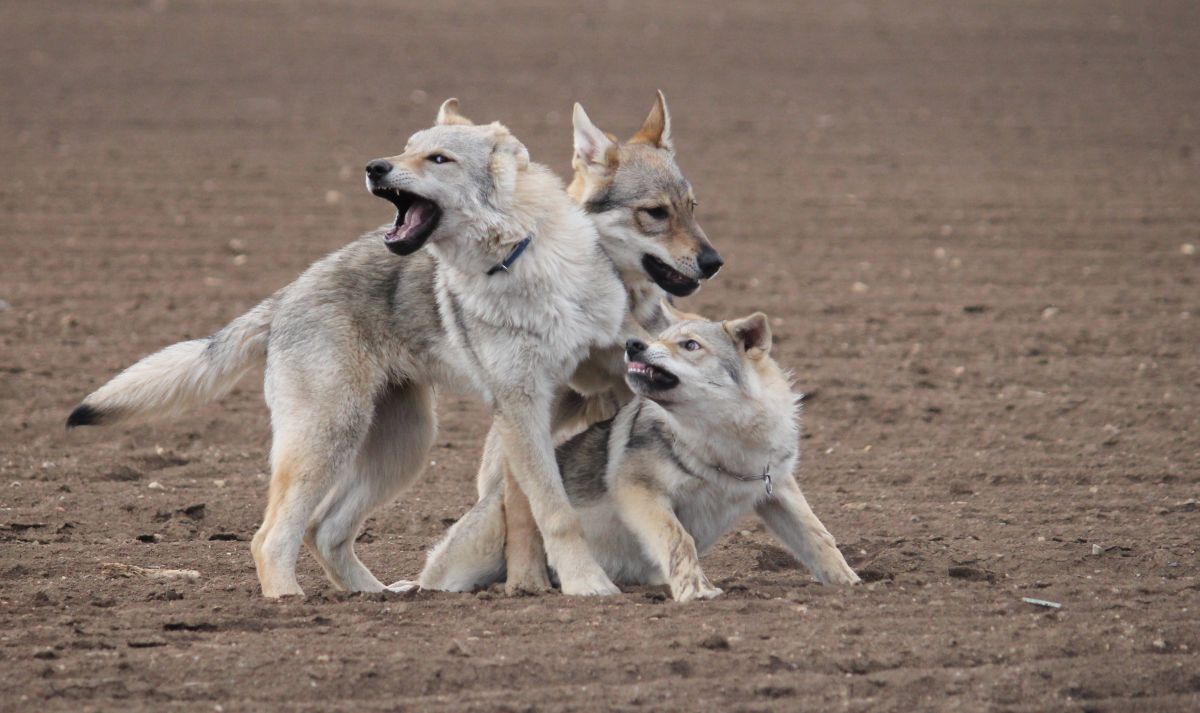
(968,221)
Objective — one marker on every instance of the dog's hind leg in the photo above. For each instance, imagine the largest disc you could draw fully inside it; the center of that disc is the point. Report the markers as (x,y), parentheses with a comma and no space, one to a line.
(529,451)
(472,552)
(311,452)
(392,457)
(523,549)
(302,471)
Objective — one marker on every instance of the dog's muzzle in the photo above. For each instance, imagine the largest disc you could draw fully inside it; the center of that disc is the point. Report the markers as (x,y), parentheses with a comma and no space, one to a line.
(641,373)
(668,278)
(416,216)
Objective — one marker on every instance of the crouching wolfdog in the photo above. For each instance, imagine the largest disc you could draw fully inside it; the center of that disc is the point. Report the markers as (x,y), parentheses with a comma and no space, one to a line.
(712,433)
(512,292)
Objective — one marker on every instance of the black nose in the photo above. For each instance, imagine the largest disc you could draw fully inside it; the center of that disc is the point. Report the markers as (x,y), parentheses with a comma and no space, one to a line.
(635,346)
(710,261)
(378,168)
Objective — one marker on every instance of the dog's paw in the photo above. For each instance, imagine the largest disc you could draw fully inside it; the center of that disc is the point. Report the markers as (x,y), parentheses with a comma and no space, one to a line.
(522,586)
(695,592)
(528,579)
(404,586)
(595,585)
(837,573)
(521,589)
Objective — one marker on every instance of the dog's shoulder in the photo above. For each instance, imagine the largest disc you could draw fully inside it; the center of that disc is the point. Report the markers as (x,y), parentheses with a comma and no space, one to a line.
(643,450)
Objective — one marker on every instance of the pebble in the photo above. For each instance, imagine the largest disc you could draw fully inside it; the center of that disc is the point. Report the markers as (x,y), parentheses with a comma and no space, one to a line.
(146,643)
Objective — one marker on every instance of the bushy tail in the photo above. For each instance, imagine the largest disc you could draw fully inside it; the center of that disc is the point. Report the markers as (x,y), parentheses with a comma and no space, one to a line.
(183,375)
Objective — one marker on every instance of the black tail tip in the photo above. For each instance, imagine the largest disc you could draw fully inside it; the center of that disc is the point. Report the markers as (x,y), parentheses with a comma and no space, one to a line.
(83,415)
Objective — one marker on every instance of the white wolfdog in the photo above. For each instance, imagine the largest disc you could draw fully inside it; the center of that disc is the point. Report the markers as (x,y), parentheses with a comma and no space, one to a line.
(355,346)
(512,293)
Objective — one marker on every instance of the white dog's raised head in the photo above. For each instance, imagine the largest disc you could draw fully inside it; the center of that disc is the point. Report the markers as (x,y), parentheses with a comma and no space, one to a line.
(455,178)
(708,370)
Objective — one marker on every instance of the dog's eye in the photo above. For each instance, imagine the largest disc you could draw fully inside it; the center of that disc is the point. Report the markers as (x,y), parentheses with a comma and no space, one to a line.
(439,158)
(690,344)
(657,212)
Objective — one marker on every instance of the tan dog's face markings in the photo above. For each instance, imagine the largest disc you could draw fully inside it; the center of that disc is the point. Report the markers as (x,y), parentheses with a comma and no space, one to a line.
(447,175)
(636,191)
(697,363)
(665,214)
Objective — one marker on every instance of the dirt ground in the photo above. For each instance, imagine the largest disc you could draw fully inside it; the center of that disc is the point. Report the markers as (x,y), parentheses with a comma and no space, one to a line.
(972,225)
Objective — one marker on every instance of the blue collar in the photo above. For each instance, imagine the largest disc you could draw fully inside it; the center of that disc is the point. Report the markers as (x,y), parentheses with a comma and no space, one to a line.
(505,264)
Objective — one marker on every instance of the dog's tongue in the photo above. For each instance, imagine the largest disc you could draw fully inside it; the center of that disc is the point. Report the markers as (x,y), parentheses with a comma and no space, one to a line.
(417,214)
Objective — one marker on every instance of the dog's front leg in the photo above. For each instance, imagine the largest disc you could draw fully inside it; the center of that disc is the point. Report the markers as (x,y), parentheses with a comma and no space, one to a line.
(528,448)
(666,542)
(789,517)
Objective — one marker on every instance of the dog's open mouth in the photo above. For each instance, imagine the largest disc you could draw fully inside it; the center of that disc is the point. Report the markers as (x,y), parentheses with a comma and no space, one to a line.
(654,377)
(416,219)
(668,278)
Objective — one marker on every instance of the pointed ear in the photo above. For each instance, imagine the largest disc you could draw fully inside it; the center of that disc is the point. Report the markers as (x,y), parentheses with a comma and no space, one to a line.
(448,114)
(509,158)
(656,130)
(675,315)
(509,147)
(752,334)
(594,149)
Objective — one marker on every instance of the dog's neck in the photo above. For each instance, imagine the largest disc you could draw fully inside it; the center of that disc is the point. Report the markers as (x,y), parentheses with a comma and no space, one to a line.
(744,440)
(484,247)
(645,296)
(490,240)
